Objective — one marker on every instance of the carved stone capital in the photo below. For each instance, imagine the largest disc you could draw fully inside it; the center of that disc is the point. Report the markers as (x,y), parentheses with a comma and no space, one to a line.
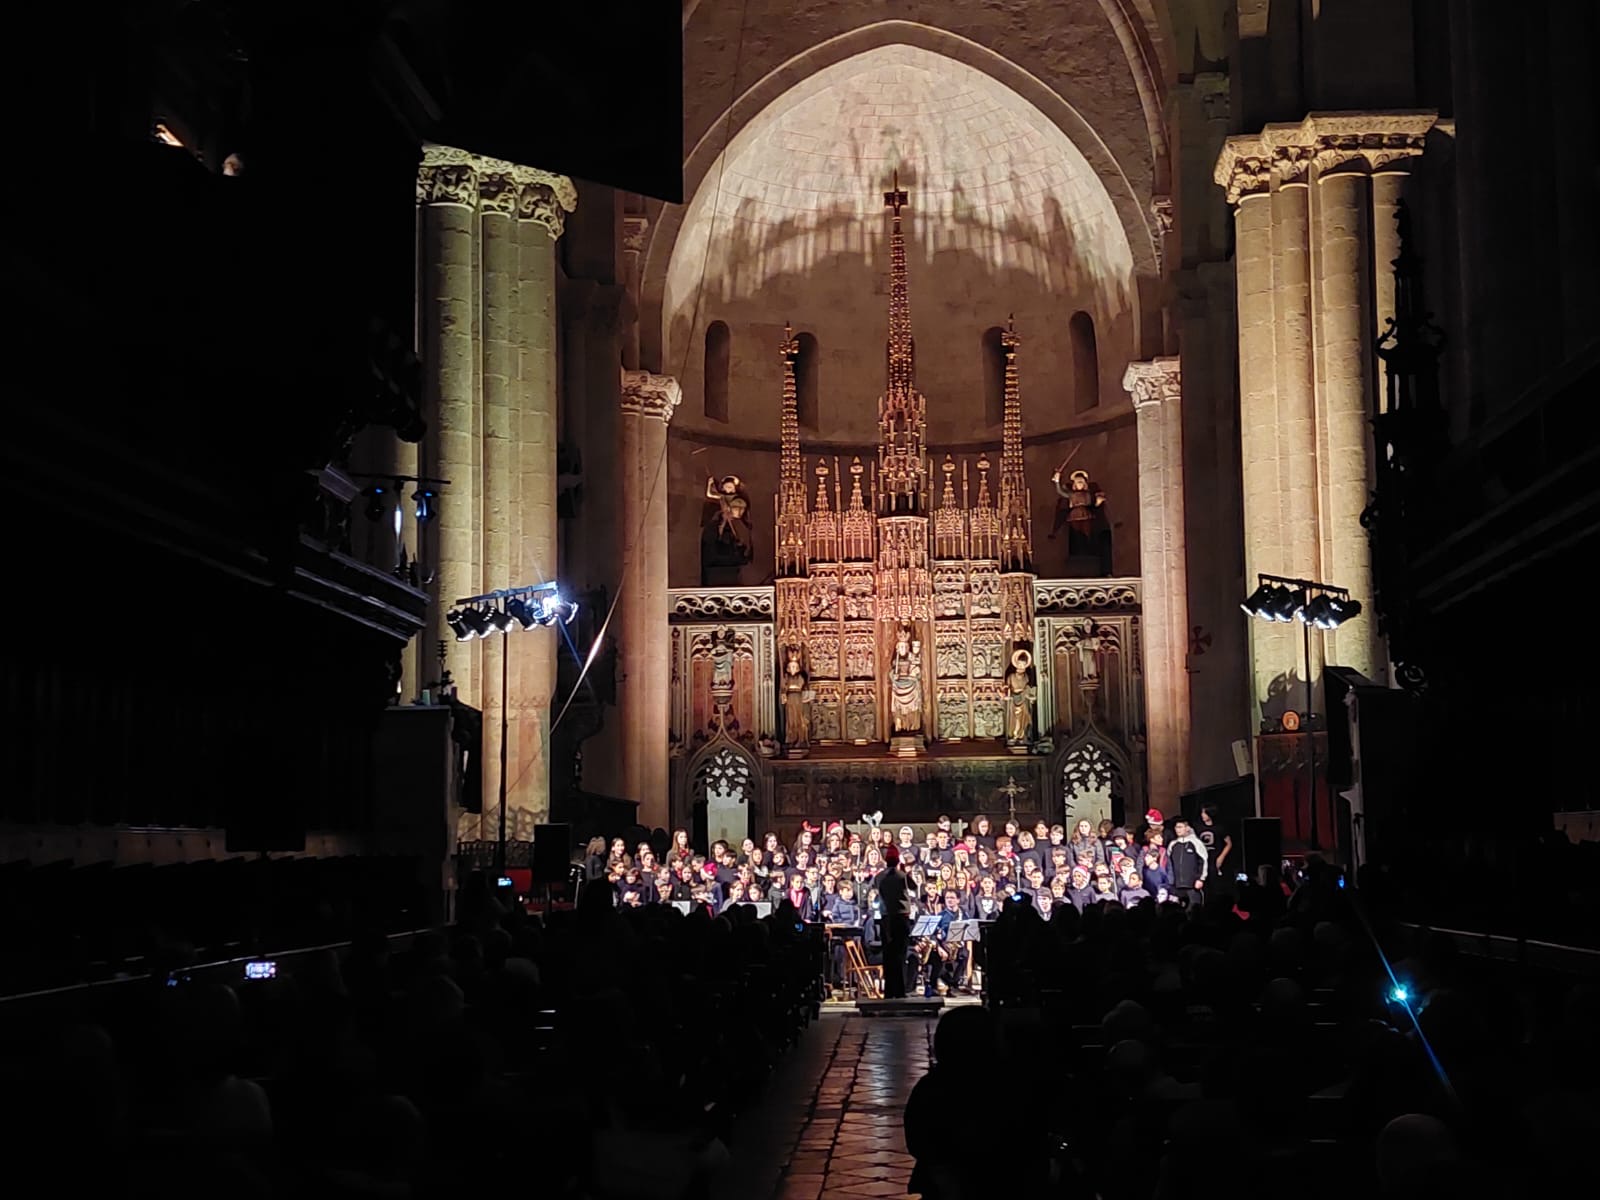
(650,395)
(1331,143)
(497,193)
(447,176)
(1153,382)
(1162,212)
(635,232)
(1244,168)
(1291,166)
(1337,142)
(545,199)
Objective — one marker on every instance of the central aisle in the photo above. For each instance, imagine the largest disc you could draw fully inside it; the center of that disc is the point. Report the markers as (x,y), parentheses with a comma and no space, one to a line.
(829,1124)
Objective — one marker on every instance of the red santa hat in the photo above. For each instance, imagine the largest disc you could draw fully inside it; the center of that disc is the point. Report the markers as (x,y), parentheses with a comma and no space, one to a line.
(709,871)
(836,827)
(1154,817)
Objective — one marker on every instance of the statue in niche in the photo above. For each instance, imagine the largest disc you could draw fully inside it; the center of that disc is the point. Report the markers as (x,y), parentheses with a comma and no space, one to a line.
(1020,693)
(725,537)
(1089,646)
(905,701)
(1081,507)
(722,658)
(797,697)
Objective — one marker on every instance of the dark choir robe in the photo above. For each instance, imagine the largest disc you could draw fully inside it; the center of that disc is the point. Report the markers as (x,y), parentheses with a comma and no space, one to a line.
(802,903)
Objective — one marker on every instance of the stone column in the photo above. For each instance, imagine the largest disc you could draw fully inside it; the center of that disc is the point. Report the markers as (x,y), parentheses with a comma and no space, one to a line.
(543,200)
(1294,362)
(447,200)
(643,641)
(1244,169)
(1157,391)
(1345,304)
(1319,316)
(499,366)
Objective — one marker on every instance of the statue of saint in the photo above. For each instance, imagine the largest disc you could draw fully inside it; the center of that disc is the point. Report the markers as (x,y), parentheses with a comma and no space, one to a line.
(725,536)
(797,695)
(1081,507)
(1020,693)
(722,658)
(905,699)
(1088,653)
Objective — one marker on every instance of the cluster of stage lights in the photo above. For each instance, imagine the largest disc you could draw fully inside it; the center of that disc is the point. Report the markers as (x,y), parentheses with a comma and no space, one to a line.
(507,612)
(1317,605)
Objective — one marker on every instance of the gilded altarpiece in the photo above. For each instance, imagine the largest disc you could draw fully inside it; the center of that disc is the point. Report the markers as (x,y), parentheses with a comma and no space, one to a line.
(904,594)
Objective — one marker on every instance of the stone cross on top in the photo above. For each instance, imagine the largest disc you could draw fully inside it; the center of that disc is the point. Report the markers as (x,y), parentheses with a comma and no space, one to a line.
(895,198)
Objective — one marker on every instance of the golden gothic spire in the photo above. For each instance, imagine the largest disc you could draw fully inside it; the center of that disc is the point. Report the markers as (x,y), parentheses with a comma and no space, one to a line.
(1016,540)
(791,531)
(903,485)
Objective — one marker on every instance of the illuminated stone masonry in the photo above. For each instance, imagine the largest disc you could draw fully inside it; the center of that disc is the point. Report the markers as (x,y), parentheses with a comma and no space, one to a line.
(1314,204)
(487,336)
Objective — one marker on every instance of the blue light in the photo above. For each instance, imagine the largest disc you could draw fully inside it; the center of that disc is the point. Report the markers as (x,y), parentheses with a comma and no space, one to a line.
(1400,994)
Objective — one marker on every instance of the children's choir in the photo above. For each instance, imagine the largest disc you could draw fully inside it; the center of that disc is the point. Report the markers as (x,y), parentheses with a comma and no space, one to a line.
(832,876)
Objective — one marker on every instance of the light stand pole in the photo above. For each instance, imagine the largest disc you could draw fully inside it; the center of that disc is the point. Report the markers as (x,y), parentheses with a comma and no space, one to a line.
(477,616)
(505,726)
(1311,734)
(1282,598)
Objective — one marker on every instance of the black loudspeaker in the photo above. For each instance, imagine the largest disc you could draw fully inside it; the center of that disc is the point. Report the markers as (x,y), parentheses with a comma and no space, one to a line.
(1263,844)
(1234,800)
(552,854)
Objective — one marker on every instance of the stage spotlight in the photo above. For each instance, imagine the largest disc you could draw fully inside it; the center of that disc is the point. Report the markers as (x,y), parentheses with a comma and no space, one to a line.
(459,625)
(557,609)
(1400,994)
(427,501)
(522,612)
(1284,604)
(476,621)
(501,621)
(1256,604)
(1342,609)
(1317,611)
(375,502)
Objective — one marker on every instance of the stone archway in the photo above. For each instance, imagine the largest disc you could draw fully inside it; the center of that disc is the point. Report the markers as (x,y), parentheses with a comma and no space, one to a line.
(727,782)
(1124,198)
